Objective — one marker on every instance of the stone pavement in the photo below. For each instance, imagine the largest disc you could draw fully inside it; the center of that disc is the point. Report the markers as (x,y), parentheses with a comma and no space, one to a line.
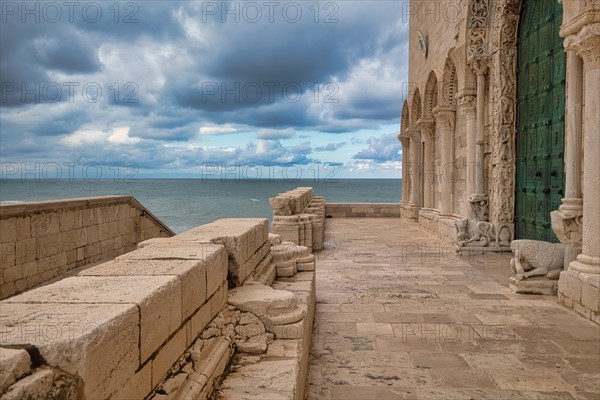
(400,317)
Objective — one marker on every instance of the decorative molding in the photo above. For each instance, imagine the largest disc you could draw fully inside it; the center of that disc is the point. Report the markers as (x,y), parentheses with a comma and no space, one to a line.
(477,36)
(504,91)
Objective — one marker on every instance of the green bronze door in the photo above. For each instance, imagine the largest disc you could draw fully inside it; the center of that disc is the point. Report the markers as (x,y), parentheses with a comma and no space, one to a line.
(540,119)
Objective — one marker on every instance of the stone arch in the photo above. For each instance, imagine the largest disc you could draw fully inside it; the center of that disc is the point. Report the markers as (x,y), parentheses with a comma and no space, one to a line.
(404,121)
(431,99)
(416,110)
(450,83)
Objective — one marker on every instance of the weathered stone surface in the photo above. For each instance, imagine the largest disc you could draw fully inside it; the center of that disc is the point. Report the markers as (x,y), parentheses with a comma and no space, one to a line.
(36,386)
(158,299)
(199,278)
(277,381)
(533,286)
(97,342)
(242,237)
(14,363)
(261,300)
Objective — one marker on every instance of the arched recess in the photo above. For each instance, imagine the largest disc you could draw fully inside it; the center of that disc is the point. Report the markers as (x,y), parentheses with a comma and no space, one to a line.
(404,121)
(432,145)
(415,111)
(416,177)
(403,137)
(431,96)
(449,84)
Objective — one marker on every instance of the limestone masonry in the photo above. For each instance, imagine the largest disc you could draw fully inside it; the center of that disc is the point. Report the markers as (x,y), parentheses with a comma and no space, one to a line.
(209,313)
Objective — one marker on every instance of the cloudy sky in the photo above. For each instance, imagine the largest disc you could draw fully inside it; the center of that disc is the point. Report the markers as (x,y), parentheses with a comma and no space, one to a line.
(179,88)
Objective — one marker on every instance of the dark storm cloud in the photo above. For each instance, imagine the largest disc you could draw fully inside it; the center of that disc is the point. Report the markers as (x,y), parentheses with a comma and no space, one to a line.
(381,149)
(175,51)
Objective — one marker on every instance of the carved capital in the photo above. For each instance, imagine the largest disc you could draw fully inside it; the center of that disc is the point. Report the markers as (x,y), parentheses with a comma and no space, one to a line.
(427,129)
(468,104)
(445,118)
(479,65)
(588,46)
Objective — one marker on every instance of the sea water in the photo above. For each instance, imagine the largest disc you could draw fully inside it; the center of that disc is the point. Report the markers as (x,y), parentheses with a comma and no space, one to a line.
(185,203)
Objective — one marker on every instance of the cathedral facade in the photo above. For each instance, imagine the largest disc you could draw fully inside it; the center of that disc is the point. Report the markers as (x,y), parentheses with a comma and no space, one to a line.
(500,133)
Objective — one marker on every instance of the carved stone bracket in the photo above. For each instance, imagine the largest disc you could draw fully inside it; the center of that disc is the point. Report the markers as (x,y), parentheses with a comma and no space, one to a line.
(567,225)
(479,205)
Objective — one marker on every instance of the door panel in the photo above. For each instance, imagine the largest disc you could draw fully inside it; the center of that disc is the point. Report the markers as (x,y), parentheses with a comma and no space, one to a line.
(540,119)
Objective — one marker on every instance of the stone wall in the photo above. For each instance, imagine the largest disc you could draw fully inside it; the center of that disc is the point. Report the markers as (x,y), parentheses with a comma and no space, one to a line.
(368,210)
(155,323)
(42,240)
(581,293)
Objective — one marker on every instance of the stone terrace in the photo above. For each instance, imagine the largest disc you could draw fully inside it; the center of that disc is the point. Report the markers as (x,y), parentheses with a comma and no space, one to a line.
(400,317)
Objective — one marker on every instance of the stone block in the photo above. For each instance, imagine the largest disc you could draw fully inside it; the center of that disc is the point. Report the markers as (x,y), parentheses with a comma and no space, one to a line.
(172,249)
(8,230)
(8,256)
(242,237)
(569,285)
(533,286)
(218,301)
(167,355)
(137,387)
(35,386)
(14,363)
(199,321)
(70,220)
(48,245)
(45,223)
(192,274)
(26,250)
(216,272)
(158,299)
(590,296)
(97,342)
(239,273)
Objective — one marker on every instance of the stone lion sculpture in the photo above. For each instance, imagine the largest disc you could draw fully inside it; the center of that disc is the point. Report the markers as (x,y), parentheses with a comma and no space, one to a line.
(536,258)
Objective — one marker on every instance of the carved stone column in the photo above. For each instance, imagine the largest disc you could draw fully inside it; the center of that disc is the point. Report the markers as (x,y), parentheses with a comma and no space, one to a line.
(427,133)
(567,221)
(588,48)
(445,120)
(467,105)
(404,141)
(477,198)
(415,170)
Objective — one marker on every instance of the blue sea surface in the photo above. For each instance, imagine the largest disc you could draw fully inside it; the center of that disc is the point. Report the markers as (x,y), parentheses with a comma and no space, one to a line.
(186,203)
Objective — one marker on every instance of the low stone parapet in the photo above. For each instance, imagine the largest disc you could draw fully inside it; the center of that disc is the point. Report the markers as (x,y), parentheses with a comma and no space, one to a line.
(155,323)
(43,240)
(362,210)
(121,325)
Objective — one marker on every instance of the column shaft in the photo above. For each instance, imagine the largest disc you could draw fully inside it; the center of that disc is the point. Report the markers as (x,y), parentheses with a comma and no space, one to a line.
(480,133)
(573,125)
